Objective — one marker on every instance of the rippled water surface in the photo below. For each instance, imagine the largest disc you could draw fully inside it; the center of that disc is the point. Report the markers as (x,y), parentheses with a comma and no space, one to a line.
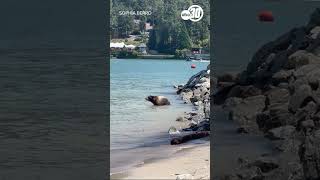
(52,113)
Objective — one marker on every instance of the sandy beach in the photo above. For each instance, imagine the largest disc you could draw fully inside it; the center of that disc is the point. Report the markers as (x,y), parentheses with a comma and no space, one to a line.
(182,164)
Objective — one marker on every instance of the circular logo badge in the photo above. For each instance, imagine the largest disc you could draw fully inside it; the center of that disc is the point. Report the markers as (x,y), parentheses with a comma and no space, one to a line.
(196,13)
(185,14)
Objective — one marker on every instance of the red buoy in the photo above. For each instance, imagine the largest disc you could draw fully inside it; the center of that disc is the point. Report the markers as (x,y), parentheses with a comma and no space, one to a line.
(266,16)
(193,66)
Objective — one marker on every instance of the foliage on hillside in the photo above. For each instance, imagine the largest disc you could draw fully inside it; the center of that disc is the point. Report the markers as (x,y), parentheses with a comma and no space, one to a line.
(170,32)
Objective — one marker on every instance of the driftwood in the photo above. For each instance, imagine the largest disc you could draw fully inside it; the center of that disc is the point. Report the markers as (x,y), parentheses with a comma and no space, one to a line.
(185,138)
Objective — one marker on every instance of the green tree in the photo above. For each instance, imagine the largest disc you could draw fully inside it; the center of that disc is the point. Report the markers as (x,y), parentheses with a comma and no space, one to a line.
(183,38)
(170,31)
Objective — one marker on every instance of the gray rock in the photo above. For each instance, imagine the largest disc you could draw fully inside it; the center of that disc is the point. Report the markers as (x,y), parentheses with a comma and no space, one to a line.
(315,32)
(311,108)
(314,78)
(180,119)
(277,115)
(300,98)
(244,91)
(316,120)
(244,111)
(307,126)
(283,85)
(281,76)
(222,92)
(304,70)
(251,173)
(227,77)
(281,133)
(195,79)
(301,58)
(266,164)
(186,96)
(278,95)
(309,74)
(310,156)
(293,86)
(296,171)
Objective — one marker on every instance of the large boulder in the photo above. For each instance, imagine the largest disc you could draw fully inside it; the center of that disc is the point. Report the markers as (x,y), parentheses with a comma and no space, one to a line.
(244,111)
(277,95)
(300,98)
(301,58)
(273,56)
(194,80)
(315,32)
(244,91)
(228,77)
(283,76)
(275,117)
(281,133)
(266,164)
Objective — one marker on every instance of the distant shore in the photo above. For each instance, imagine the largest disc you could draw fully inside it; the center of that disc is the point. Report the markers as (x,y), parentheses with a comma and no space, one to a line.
(150,56)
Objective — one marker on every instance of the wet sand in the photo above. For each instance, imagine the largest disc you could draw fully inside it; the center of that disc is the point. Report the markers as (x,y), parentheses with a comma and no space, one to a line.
(228,145)
(191,159)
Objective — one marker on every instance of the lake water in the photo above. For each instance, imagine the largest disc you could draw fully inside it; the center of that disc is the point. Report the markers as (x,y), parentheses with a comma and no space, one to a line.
(138,129)
(52,113)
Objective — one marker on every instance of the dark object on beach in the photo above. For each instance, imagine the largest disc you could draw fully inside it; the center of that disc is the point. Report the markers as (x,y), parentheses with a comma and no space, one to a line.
(158,100)
(193,66)
(195,135)
(266,16)
(202,126)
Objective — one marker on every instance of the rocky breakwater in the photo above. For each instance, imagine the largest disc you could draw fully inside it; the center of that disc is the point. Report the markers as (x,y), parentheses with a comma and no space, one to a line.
(278,96)
(197,92)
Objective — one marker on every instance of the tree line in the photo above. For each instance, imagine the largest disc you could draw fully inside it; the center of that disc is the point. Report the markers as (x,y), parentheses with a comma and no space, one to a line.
(170,32)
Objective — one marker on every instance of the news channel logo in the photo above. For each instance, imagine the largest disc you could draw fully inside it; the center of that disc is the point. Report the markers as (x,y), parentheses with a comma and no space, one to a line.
(194,13)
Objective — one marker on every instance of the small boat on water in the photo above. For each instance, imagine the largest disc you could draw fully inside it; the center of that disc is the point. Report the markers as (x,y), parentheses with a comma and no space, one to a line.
(198,59)
(193,58)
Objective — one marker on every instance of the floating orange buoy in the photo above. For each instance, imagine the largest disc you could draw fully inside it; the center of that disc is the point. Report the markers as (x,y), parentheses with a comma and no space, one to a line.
(266,16)
(193,66)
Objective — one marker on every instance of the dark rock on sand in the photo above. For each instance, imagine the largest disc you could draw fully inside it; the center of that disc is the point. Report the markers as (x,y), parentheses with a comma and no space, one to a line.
(195,135)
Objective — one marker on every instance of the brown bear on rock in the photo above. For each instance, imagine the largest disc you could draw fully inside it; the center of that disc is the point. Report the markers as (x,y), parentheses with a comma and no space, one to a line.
(158,100)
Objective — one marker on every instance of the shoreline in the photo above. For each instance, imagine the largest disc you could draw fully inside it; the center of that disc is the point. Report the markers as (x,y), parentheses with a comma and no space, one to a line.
(195,94)
(181,162)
